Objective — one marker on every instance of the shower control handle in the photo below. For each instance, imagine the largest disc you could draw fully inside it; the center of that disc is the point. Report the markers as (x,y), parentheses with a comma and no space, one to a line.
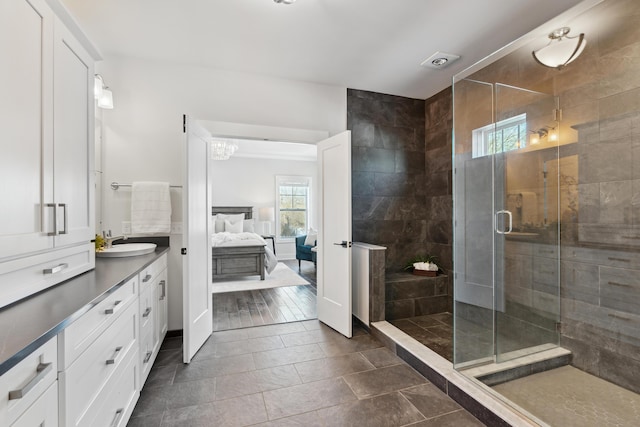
(495,219)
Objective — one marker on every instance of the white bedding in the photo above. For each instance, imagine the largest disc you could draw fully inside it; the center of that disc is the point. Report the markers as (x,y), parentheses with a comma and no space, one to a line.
(226,239)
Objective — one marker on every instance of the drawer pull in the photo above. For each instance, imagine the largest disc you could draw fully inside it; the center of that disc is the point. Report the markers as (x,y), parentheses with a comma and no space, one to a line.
(623,285)
(112,361)
(116,419)
(163,283)
(56,269)
(146,278)
(147,357)
(619,259)
(42,370)
(111,310)
(147,312)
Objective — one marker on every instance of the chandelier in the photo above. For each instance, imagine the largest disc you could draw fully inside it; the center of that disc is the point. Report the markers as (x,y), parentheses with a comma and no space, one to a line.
(222,149)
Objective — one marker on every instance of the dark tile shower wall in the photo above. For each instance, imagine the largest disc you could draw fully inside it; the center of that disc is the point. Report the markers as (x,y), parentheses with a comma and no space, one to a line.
(401,179)
(600,220)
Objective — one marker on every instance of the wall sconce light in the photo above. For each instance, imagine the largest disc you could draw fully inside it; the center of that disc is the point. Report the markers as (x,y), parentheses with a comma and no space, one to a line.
(545,132)
(102,93)
(222,149)
(561,49)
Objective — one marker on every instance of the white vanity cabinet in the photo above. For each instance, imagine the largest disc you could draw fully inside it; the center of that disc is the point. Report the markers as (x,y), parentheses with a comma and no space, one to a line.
(98,354)
(29,390)
(153,313)
(46,152)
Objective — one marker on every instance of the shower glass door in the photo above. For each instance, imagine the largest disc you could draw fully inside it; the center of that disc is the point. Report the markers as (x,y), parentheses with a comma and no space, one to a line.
(506,257)
(526,243)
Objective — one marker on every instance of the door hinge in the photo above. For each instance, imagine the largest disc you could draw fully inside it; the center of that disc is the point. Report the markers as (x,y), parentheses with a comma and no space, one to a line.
(183,251)
(557,114)
(184,123)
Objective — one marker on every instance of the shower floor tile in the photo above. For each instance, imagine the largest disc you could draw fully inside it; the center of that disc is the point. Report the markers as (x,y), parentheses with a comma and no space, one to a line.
(569,397)
(434,331)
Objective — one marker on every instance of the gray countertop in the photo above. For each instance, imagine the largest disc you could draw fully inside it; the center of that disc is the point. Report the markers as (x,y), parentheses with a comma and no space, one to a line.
(29,323)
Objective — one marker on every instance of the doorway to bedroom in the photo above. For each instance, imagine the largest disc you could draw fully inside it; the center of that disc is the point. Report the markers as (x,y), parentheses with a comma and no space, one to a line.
(276,183)
(268,306)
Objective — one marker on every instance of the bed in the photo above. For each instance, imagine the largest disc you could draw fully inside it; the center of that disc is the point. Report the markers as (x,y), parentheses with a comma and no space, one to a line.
(237,257)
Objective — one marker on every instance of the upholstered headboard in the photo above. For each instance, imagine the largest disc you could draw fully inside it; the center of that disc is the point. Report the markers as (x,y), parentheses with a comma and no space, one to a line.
(230,210)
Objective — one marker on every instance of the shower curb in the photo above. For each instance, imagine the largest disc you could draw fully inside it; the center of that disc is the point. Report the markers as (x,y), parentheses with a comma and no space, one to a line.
(487,408)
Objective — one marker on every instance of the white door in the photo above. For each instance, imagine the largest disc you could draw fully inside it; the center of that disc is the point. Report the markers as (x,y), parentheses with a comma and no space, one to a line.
(334,236)
(196,264)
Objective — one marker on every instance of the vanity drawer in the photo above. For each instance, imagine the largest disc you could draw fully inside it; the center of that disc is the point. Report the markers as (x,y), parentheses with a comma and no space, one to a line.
(21,386)
(25,276)
(147,345)
(84,380)
(44,412)
(79,335)
(148,274)
(112,407)
(118,405)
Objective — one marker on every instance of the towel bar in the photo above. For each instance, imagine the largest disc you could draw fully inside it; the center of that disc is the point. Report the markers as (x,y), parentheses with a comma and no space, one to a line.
(115,185)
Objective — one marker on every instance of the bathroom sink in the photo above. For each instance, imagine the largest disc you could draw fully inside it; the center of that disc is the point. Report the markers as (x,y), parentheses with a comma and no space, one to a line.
(127,249)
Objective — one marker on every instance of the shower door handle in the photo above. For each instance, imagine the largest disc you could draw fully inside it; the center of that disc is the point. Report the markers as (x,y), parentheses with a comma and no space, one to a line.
(495,220)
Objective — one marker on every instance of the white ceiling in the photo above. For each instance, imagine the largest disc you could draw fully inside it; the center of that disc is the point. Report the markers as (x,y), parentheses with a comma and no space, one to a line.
(374,45)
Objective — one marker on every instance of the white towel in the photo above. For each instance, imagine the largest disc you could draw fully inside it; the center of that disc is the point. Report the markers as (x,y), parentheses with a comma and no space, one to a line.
(150,207)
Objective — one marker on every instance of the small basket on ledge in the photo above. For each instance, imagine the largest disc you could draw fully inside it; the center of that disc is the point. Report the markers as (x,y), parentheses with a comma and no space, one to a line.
(428,273)
(423,259)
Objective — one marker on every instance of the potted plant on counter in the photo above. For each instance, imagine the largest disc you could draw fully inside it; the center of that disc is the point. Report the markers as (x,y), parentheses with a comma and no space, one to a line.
(423,265)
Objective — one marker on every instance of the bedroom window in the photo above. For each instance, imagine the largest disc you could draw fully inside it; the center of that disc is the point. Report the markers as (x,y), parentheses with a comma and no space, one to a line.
(292,206)
(506,135)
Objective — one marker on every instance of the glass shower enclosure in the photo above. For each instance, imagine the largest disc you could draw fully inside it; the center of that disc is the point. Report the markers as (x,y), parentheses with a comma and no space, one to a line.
(506,222)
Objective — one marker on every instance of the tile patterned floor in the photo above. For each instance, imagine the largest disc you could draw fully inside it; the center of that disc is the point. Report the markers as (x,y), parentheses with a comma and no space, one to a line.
(434,331)
(569,397)
(293,374)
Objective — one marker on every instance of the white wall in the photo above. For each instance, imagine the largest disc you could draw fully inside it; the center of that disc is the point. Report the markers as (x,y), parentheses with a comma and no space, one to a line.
(251,182)
(142,135)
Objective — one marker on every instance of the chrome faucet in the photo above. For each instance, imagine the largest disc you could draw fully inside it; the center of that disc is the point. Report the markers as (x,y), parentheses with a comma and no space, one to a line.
(109,239)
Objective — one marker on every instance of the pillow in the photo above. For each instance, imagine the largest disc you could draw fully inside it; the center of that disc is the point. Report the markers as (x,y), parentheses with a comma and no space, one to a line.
(219,224)
(312,236)
(248,226)
(233,227)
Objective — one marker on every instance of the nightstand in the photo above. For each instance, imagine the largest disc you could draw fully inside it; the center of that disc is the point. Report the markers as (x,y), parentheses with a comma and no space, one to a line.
(273,241)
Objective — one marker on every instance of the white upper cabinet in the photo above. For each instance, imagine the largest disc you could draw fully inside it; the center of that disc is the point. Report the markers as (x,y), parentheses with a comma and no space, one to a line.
(72,131)
(46,149)
(26,123)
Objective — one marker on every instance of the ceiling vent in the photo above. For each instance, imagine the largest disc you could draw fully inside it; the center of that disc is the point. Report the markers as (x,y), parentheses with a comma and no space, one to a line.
(440,60)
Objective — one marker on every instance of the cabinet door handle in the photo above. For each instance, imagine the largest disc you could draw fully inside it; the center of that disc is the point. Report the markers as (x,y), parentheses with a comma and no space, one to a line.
(41,371)
(111,310)
(57,269)
(64,217)
(146,278)
(147,312)
(112,361)
(116,419)
(147,357)
(163,283)
(55,219)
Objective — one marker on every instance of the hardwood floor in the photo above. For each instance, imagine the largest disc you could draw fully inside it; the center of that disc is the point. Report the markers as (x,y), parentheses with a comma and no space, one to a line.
(245,309)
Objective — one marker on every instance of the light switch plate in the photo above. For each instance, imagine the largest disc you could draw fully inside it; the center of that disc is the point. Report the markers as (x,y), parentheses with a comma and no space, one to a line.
(176,228)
